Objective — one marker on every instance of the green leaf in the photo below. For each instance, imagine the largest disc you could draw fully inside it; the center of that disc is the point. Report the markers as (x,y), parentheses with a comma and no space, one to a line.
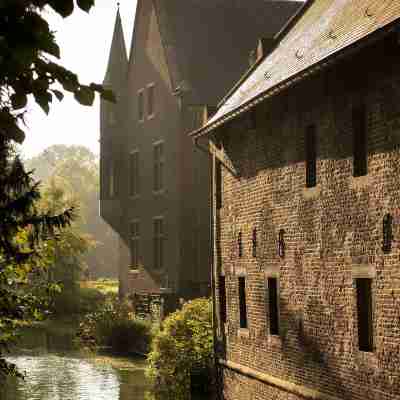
(68,80)
(43,99)
(58,94)
(62,7)
(18,100)
(85,5)
(15,133)
(84,95)
(51,47)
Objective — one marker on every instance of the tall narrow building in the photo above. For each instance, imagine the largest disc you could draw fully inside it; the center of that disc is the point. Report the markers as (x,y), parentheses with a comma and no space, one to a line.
(155,186)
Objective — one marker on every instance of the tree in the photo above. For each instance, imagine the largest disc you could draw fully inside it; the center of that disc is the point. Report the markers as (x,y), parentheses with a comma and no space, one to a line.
(24,252)
(27,64)
(78,168)
(28,68)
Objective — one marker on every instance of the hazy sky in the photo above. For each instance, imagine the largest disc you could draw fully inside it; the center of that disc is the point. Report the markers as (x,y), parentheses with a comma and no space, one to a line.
(85,41)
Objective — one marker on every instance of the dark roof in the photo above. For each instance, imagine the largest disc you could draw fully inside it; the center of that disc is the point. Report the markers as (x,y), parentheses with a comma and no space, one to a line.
(208,42)
(323,29)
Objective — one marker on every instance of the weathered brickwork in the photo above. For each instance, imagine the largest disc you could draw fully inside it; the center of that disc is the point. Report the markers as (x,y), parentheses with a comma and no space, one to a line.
(332,235)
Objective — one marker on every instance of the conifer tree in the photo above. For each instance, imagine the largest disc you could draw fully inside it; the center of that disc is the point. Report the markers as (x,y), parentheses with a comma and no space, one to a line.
(29,68)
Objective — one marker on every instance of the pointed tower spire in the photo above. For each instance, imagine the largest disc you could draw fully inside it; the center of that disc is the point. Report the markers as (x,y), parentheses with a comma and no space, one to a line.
(118,59)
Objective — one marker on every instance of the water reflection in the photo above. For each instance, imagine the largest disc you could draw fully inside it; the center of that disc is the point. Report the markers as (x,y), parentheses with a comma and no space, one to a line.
(55,370)
(66,377)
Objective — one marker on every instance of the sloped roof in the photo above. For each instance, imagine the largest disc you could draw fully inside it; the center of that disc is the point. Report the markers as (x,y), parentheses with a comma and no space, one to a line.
(322,30)
(208,42)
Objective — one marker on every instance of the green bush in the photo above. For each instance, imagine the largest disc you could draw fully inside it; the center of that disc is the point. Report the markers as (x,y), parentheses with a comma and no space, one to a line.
(181,354)
(77,301)
(114,326)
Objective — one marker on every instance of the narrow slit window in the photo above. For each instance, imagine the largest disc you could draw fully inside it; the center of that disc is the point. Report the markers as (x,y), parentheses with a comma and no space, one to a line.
(141,105)
(281,243)
(134,174)
(159,237)
(135,240)
(364,314)
(158,153)
(360,155)
(273,306)
(240,245)
(387,233)
(112,189)
(222,299)
(254,242)
(150,101)
(311,156)
(242,302)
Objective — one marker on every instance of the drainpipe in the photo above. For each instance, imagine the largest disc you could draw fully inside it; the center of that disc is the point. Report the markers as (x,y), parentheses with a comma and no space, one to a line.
(212,255)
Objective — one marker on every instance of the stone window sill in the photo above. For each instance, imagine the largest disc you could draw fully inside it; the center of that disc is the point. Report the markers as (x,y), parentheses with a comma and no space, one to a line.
(360,182)
(312,192)
(243,332)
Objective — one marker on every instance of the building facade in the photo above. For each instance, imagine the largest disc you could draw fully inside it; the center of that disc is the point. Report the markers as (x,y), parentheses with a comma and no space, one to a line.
(306,162)
(155,186)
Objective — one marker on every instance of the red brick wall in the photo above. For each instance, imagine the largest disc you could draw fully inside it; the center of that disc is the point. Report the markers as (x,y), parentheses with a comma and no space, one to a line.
(333,234)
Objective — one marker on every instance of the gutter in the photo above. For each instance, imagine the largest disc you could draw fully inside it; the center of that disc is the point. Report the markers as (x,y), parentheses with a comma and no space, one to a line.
(312,70)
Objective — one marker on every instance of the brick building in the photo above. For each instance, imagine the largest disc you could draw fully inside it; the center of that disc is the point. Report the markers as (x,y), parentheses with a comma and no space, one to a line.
(306,164)
(154,184)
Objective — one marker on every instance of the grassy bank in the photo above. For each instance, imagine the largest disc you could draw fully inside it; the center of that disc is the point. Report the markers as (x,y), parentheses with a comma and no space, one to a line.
(105,286)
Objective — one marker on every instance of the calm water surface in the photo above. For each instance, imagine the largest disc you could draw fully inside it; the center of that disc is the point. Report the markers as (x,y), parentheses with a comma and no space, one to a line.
(54,371)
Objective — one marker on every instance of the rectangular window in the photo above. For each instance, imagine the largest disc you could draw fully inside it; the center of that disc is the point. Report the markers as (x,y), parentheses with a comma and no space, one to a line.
(218,184)
(134,174)
(273,306)
(364,314)
(135,241)
(311,156)
(158,151)
(150,101)
(159,236)
(141,105)
(222,299)
(112,179)
(242,302)
(360,154)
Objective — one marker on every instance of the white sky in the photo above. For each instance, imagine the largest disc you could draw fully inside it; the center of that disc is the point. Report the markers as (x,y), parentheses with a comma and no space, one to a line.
(85,41)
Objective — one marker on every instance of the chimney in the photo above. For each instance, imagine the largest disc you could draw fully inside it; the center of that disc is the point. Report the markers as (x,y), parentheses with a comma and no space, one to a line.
(264,47)
(208,112)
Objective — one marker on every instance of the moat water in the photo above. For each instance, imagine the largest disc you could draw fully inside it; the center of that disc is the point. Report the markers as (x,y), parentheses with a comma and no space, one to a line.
(55,370)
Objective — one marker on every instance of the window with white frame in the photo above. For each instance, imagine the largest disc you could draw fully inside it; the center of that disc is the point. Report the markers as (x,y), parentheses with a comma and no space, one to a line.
(135,243)
(158,156)
(150,100)
(159,237)
(134,176)
(140,109)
